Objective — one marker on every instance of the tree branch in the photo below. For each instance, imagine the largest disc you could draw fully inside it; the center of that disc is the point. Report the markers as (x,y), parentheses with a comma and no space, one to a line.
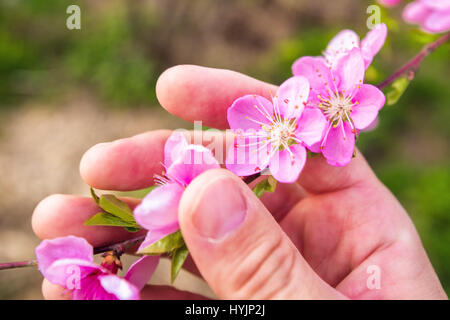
(18,264)
(118,248)
(412,65)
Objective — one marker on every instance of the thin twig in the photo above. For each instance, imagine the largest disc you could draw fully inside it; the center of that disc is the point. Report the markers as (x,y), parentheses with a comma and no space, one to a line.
(412,65)
(18,264)
(118,248)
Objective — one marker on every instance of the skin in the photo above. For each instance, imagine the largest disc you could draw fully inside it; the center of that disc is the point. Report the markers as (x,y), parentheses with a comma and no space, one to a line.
(319,238)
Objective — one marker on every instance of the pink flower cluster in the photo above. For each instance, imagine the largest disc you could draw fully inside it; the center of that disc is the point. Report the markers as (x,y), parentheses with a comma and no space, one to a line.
(432,15)
(321,109)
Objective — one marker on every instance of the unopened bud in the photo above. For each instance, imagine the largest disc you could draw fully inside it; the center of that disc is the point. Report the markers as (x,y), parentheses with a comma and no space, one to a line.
(111,262)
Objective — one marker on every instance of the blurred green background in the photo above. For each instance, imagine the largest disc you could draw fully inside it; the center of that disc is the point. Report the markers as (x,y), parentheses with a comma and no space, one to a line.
(63,90)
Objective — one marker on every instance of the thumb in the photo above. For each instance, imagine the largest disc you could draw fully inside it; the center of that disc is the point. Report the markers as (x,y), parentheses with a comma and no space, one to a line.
(239,248)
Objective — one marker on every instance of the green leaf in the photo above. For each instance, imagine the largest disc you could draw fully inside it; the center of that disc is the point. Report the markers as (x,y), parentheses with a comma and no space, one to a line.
(94,196)
(107,219)
(169,243)
(139,194)
(267,185)
(396,89)
(114,206)
(132,229)
(178,258)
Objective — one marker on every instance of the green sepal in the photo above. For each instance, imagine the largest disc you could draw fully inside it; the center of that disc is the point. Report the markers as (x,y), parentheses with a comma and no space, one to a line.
(107,219)
(396,90)
(114,206)
(178,258)
(94,196)
(132,229)
(267,185)
(167,244)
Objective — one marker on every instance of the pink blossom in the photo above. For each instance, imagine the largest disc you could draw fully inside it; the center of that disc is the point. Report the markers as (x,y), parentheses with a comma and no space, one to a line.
(432,15)
(158,211)
(274,134)
(346,40)
(69,262)
(389,3)
(348,104)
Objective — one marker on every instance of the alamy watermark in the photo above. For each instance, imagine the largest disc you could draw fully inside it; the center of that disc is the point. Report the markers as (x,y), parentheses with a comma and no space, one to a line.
(374,18)
(374,280)
(73,281)
(73,21)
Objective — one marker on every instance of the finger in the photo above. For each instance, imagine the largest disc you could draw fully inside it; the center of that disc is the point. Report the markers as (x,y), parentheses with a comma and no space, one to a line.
(320,177)
(198,93)
(125,164)
(131,163)
(239,248)
(61,215)
(208,92)
(52,291)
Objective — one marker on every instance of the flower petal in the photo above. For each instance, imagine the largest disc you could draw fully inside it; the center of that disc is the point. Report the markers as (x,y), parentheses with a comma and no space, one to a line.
(311,126)
(437,21)
(193,161)
(155,235)
(141,271)
(159,209)
(285,166)
(372,126)
(339,145)
(318,74)
(291,96)
(119,287)
(370,100)
(249,112)
(52,250)
(174,146)
(68,273)
(351,71)
(249,153)
(389,3)
(437,4)
(373,42)
(415,12)
(340,45)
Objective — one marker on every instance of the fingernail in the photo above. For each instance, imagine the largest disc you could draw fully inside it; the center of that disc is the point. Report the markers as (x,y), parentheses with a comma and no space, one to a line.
(220,209)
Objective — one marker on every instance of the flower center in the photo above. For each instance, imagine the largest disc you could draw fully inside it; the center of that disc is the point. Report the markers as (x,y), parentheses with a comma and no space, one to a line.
(275,135)
(111,261)
(281,133)
(337,108)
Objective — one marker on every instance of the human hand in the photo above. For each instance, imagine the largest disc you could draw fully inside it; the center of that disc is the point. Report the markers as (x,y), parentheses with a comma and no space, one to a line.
(314,239)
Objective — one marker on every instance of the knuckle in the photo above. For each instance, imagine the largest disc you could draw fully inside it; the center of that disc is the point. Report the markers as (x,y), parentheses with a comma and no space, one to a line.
(265,272)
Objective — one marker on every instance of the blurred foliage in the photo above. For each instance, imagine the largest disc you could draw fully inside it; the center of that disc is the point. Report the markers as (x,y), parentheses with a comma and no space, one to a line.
(39,59)
(111,60)
(123,46)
